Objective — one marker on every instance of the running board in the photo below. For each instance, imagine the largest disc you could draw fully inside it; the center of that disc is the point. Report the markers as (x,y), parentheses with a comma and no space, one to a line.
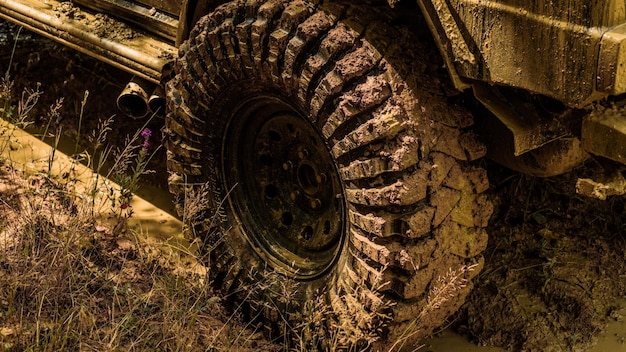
(99,36)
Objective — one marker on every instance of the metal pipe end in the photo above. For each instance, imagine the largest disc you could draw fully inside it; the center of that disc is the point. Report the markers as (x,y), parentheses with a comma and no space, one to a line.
(133,101)
(156,102)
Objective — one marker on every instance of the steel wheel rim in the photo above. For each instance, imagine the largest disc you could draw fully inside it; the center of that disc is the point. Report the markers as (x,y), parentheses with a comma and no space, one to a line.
(284,188)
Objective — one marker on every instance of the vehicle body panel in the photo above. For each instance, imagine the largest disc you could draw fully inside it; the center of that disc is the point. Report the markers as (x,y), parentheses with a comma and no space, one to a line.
(547,47)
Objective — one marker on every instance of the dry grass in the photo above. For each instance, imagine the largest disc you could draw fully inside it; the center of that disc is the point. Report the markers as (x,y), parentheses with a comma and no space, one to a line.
(70,284)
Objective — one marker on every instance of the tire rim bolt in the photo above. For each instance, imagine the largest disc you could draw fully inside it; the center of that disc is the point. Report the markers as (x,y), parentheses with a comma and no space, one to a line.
(315,203)
(287,165)
(321,178)
(294,195)
(303,154)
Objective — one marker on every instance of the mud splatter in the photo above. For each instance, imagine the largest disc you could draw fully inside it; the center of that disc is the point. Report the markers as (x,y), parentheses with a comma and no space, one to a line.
(101,25)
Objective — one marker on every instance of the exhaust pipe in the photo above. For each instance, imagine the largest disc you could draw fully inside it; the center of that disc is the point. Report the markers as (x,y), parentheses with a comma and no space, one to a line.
(133,101)
(156,102)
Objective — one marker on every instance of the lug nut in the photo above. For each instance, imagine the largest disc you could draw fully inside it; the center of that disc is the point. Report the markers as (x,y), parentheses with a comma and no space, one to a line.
(321,178)
(303,154)
(294,195)
(315,203)
(287,165)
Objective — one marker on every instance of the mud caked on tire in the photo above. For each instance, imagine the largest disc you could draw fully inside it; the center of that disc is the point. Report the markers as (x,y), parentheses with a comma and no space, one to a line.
(336,160)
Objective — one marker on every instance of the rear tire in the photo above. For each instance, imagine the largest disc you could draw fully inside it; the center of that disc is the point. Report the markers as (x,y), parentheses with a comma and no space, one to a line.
(336,161)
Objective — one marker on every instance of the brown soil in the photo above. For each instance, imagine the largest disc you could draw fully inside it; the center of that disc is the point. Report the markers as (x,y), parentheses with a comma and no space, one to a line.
(555,263)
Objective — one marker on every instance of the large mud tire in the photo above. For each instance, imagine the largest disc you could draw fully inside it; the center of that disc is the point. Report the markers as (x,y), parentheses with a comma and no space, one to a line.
(330,122)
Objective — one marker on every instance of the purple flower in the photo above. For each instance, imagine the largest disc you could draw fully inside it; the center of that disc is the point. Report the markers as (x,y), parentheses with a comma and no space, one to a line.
(146,133)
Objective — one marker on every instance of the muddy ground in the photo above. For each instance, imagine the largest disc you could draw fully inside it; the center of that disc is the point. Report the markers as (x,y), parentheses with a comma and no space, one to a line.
(555,266)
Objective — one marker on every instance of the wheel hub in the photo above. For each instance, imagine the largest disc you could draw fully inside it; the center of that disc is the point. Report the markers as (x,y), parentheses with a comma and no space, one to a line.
(286,191)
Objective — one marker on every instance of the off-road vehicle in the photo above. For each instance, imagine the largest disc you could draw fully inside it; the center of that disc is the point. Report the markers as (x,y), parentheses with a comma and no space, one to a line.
(340,142)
